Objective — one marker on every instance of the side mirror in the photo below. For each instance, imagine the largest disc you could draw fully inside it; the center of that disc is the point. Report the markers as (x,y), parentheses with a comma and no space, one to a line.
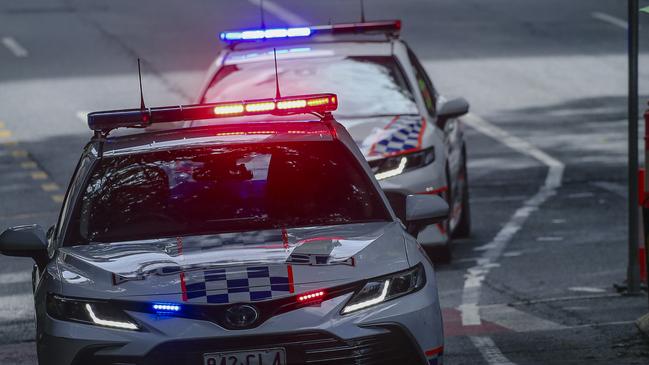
(423,210)
(25,241)
(453,108)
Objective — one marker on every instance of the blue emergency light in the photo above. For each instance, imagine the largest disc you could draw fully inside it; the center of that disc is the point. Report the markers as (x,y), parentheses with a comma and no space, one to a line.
(235,36)
(166,308)
(258,34)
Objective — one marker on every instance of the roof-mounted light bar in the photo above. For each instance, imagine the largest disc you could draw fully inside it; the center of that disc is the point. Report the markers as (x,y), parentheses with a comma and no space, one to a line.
(385,26)
(137,118)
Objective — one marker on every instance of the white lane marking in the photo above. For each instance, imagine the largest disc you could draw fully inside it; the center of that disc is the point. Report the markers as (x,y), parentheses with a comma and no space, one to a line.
(612,187)
(279,11)
(549,239)
(83,116)
(587,289)
(490,351)
(15,47)
(15,277)
(475,275)
(16,307)
(610,19)
(517,320)
(493,250)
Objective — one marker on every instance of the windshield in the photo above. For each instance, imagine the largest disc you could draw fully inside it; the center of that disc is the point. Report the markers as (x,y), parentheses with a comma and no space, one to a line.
(220,189)
(366,86)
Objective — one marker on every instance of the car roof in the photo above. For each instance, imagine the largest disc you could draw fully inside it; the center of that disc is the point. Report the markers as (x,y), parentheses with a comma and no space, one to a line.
(292,49)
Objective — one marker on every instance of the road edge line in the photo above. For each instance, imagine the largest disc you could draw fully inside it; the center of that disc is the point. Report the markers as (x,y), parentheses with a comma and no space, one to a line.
(469,309)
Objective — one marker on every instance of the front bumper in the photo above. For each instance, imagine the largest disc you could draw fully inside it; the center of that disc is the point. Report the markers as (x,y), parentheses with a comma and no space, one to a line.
(398,331)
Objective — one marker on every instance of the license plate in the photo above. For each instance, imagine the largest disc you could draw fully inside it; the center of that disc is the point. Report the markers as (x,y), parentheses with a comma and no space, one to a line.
(275,356)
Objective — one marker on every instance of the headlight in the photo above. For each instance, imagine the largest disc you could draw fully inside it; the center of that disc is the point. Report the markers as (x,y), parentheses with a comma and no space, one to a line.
(396,165)
(386,288)
(87,311)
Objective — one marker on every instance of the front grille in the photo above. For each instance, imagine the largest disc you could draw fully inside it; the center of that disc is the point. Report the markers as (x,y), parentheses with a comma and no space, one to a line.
(392,347)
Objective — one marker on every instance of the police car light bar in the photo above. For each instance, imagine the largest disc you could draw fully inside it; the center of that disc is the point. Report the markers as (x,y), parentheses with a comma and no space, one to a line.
(387,26)
(137,118)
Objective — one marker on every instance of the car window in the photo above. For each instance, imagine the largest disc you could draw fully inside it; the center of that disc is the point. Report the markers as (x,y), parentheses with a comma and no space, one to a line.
(424,85)
(221,189)
(366,86)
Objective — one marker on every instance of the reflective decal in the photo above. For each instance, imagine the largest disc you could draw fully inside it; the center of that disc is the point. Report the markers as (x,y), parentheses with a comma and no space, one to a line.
(402,134)
(239,284)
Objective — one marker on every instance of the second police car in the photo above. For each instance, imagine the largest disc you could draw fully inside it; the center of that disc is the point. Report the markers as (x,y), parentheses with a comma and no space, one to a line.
(408,132)
(263,239)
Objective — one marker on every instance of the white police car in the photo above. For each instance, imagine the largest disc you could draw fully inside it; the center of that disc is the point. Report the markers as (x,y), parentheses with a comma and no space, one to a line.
(261,240)
(406,130)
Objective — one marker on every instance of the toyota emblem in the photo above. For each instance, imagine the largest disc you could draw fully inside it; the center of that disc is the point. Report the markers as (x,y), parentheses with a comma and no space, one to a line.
(241,316)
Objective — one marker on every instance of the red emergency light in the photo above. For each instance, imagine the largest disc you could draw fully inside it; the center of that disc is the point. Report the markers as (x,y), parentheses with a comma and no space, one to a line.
(138,118)
(312,297)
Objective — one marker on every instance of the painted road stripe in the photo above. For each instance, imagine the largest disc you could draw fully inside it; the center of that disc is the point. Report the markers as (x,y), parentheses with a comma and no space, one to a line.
(517,320)
(15,47)
(83,116)
(279,11)
(17,307)
(49,186)
(492,251)
(490,351)
(38,175)
(610,19)
(15,277)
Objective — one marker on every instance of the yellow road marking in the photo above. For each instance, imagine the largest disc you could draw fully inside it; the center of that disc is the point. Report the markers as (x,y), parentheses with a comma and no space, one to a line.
(19,153)
(28,165)
(39,175)
(49,187)
(58,198)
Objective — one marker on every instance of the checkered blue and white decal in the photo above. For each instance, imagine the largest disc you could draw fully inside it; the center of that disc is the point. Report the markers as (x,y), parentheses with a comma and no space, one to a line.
(402,134)
(239,284)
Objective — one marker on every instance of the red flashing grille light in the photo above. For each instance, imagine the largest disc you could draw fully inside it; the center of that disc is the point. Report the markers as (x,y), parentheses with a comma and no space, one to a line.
(316,296)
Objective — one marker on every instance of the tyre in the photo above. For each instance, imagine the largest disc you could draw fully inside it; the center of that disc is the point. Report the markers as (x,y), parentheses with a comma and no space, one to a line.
(463,228)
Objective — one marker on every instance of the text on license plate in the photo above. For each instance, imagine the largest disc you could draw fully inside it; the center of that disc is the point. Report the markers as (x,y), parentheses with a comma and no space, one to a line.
(275,356)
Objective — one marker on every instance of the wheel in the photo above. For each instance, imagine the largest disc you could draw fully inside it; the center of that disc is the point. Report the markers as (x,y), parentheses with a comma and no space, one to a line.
(463,228)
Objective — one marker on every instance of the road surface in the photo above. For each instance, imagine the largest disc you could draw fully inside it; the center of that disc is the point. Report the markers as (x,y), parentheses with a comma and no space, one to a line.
(547,148)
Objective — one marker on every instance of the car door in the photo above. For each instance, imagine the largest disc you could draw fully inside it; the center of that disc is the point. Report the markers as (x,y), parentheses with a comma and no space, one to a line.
(450,127)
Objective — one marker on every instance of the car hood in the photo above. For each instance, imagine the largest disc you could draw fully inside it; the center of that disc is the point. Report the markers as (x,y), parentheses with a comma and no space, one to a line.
(385,135)
(232,267)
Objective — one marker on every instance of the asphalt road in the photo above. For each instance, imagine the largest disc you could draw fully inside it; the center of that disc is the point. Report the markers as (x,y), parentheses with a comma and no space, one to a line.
(547,85)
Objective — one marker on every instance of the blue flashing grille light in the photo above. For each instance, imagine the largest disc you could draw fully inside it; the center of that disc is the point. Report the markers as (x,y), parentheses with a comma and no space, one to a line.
(166,308)
(258,34)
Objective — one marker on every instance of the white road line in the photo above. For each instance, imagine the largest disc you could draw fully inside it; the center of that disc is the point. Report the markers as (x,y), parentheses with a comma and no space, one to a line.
(17,307)
(15,47)
(610,19)
(469,309)
(490,351)
(279,11)
(587,289)
(83,116)
(15,277)
(517,320)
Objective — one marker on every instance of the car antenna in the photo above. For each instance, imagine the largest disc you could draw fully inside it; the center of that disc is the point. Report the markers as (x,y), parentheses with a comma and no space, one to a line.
(362,12)
(277,93)
(139,73)
(261,13)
